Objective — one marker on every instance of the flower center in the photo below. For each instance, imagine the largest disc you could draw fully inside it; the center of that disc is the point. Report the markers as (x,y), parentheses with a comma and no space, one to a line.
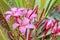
(22,24)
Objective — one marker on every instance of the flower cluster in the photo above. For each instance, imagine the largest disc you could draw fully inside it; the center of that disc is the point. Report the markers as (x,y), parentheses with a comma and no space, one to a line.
(53,25)
(23,18)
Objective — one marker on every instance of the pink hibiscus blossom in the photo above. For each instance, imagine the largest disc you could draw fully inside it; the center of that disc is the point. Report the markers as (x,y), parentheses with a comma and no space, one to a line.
(23,25)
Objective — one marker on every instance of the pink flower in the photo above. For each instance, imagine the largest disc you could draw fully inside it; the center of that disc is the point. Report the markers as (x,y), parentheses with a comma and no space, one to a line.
(15,12)
(23,25)
(23,18)
(22,10)
(8,18)
(32,14)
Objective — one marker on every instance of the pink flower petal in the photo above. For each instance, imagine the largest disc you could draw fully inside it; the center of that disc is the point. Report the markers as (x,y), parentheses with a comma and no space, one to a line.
(30,26)
(58,29)
(14,9)
(25,20)
(8,13)
(15,25)
(33,16)
(23,10)
(58,34)
(29,12)
(49,24)
(54,30)
(22,30)
(18,13)
(19,21)
(8,18)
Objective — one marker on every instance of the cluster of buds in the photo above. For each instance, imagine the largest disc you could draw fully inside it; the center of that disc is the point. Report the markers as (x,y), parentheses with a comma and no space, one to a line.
(51,24)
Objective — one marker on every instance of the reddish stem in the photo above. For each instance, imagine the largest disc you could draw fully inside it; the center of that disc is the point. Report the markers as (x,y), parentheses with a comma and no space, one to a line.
(38,23)
(44,25)
(28,34)
(41,13)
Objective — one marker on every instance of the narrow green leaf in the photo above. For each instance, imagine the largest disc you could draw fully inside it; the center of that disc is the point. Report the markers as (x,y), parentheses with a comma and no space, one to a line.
(29,4)
(50,6)
(47,5)
(19,3)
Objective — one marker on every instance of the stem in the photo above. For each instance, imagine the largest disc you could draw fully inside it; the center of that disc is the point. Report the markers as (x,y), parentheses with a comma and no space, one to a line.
(39,23)
(28,34)
(41,14)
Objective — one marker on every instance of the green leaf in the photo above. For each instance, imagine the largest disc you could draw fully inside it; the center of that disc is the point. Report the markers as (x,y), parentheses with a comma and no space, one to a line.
(41,4)
(4,6)
(50,6)
(29,4)
(11,3)
(47,4)
(55,15)
(56,3)
(19,3)
(37,38)
(25,3)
